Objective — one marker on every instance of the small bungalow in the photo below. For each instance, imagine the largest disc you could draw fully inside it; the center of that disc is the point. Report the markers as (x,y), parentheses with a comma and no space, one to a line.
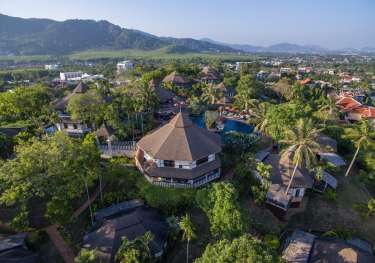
(179,154)
(354,110)
(282,170)
(228,92)
(303,247)
(329,151)
(209,75)
(177,80)
(130,219)
(65,122)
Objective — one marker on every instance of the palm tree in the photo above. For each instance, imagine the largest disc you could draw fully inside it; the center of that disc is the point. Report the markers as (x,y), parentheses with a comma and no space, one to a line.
(328,109)
(258,116)
(362,135)
(211,93)
(302,142)
(187,227)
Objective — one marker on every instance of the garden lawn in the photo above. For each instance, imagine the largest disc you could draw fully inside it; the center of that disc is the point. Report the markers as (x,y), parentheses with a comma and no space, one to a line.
(323,215)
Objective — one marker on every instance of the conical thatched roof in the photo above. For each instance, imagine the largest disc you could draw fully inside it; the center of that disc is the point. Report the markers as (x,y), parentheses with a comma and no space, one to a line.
(63,103)
(209,73)
(180,140)
(176,78)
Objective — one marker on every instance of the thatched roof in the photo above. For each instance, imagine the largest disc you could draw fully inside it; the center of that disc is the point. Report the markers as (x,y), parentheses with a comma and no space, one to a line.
(180,140)
(163,94)
(299,247)
(209,73)
(282,170)
(63,103)
(338,251)
(176,78)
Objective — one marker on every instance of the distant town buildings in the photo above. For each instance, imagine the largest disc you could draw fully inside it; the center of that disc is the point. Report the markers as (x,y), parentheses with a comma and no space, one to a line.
(51,67)
(124,66)
(78,76)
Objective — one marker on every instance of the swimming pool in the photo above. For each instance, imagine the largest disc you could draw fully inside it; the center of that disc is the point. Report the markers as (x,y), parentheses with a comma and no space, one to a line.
(229,125)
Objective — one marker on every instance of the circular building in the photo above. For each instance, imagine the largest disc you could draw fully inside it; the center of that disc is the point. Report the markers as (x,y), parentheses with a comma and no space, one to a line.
(179,154)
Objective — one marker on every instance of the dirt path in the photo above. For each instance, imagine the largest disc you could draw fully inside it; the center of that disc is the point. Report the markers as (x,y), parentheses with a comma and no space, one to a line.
(65,251)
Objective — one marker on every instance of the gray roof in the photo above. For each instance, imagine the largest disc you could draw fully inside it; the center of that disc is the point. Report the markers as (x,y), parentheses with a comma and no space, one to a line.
(116,209)
(299,247)
(134,223)
(170,172)
(180,140)
(13,241)
(282,170)
(106,131)
(18,255)
(333,158)
(329,179)
(327,144)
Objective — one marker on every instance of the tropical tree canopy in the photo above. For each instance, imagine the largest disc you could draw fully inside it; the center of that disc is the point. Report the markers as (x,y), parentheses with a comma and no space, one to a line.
(87,107)
(48,171)
(135,251)
(220,203)
(239,250)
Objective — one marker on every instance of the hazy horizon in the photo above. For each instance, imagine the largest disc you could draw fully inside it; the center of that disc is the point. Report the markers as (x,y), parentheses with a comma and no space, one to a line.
(331,24)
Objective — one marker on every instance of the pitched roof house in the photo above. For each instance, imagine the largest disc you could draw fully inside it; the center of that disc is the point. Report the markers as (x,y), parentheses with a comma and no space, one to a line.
(176,79)
(303,247)
(209,75)
(66,123)
(129,219)
(354,110)
(179,154)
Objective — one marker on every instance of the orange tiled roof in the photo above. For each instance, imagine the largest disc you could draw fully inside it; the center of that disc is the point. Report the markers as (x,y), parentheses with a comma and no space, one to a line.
(348,103)
(365,111)
(305,81)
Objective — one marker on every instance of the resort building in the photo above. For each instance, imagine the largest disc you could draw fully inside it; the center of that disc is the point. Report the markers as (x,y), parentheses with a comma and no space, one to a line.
(282,171)
(304,247)
(209,75)
(130,219)
(179,154)
(353,110)
(228,92)
(65,122)
(71,76)
(177,80)
(124,66)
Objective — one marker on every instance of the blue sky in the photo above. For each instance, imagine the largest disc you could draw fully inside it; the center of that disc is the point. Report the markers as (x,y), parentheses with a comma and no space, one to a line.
(329,23)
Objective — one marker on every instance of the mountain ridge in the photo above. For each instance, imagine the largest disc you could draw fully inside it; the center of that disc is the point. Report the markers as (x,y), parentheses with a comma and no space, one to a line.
(32,36)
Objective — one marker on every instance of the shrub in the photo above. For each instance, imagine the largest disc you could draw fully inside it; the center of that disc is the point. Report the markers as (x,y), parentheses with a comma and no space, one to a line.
(330,194)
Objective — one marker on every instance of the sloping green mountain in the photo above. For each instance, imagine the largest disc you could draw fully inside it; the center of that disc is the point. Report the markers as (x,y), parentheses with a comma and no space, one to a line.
(33,36)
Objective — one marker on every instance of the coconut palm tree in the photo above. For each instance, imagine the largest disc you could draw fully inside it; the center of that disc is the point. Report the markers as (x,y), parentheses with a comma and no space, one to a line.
(362,135)
(211,94)
(187,227)
(328,109)
(258,116)
(302,143)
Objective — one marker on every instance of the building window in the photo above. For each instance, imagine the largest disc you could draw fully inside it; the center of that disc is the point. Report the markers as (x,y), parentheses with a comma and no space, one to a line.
(203,160)
(180,166)
(297,192)
(75,126)
(168,163)
(65,126)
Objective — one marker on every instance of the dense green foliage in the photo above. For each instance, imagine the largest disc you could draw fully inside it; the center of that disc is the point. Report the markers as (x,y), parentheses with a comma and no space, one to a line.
(29,104)
(220,203)
(50,172)
(242,249)
(135,251)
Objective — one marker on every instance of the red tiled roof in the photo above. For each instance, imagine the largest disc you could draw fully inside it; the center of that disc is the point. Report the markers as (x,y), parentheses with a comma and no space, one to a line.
(305,81)
(348,103)
(365,111)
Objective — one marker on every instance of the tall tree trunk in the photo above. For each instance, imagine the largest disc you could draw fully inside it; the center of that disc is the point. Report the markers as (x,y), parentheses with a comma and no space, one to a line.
(88,200)
(291,179)
(187,251)
(353,160)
